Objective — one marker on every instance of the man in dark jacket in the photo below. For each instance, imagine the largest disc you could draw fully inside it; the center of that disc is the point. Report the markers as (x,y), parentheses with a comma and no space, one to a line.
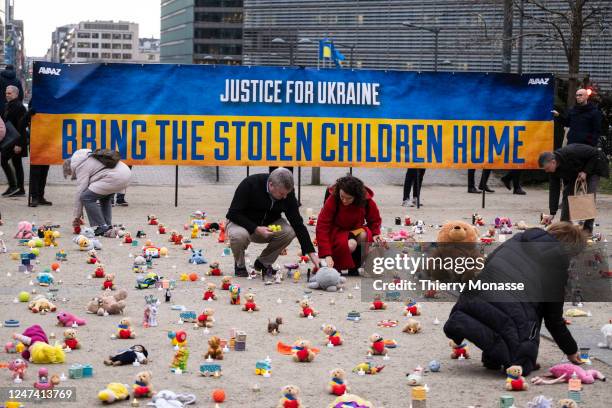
(505,325)
(15,113)
(9,77)
(583,120)
(572,162)
(258,203)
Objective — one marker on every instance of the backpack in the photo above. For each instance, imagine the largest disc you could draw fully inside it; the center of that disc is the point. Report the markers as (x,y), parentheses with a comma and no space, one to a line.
(109,158)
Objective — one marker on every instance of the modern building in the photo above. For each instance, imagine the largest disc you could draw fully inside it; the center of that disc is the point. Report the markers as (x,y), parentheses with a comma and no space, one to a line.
(104,41)
(371,35)
(148,49)
(201,31)
(56,52)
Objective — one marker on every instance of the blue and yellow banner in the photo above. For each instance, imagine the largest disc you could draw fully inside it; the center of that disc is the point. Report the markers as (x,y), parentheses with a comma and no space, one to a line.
(231,115)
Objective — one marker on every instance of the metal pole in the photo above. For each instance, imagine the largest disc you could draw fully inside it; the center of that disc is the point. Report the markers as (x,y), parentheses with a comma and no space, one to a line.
(217,170)
(520,39)
(176,186)
(299,185)
(418,181)
(484,193)
(248,171)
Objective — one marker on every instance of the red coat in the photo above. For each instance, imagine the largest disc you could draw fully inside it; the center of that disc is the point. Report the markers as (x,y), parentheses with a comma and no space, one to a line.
(336,221)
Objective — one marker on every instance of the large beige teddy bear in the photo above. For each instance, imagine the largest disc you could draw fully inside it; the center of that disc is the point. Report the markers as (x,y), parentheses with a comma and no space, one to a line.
(108,303)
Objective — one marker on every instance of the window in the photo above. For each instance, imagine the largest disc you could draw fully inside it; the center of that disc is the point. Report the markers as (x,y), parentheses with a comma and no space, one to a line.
(116,46)
(94,55)
(218,3)
(127,46)
(116,56)
(83,54)
(127,36)
(106,36)
(215,49)
(82,45)
(106,45)
(219,33)
(127,56)
(95,45)
(95,35)
(219,17)
(106,55)
(83,35)
(116,36)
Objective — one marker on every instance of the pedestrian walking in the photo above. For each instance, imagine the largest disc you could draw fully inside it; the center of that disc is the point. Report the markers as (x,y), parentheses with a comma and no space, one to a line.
(12,153)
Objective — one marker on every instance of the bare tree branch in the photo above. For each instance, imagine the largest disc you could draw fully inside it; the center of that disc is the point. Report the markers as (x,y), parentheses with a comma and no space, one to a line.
(542,7)
(556,27)
(595,12)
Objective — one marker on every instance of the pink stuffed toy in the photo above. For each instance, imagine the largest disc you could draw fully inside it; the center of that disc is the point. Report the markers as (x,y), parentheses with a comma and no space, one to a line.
(18,368)
(67,319)
(563,372)
(24,230)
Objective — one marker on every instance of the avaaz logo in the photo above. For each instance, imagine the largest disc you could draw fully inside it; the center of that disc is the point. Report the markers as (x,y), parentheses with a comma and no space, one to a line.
(538,81)
(49,71)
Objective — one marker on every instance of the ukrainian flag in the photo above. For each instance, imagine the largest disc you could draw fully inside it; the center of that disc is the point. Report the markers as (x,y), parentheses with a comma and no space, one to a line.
(328,51)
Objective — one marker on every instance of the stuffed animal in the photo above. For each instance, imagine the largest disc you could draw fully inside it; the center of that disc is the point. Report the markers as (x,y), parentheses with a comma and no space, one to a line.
(124,329)
(412,308)
(419,227)
(161,229)
(108,303)
(214,349)
(99,272)
(41,305)
(249,304)
(412,326)
(108,282)
(327,279)
(274,326)
(18,368)
(93,257)
(114,392)
(170,399)
(477,220)
(606,330)
(129,356)
(226,282)
(50,236)
(24,230)
(209,294)
(38,350)
(152,219)
(377,345)
(84,243)
(333,337)
(302,352)
(563,372)
(196,257)
(142,385)
(459,350)
(127,237)
(234,294)
(290,398)
(515,380)
(368,368)
(416,377)
(307,310)
(90,234)
(567,403)
(70,339)
(206,319)
(337,384)
(504,224)
(150,312)
(44,382)
(378,304)
(195,231)
(350,400)
(214,269)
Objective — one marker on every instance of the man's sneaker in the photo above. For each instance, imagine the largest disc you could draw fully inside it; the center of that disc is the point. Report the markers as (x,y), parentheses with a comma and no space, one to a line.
(16,193)
(406,203)
(240,271)
(9,190)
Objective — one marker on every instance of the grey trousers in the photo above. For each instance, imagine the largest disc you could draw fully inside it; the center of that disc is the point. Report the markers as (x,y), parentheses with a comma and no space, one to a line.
(240,239)
(98,208)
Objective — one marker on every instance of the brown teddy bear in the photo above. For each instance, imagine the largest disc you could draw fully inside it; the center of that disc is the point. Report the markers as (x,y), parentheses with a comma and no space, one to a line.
(124,329)
(302,352)
(290,398)
(206,318)
(111,304)
(515,380)
(378,304)
(70,339)
(412,326)
(307,310)
(41,305)
(333,337)
(142,385)
(214,349)
(456,239)
(108,282)
(337,385)
(377,345)
(249,305)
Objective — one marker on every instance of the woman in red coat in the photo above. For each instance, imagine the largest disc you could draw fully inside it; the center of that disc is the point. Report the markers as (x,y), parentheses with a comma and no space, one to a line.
(348,218)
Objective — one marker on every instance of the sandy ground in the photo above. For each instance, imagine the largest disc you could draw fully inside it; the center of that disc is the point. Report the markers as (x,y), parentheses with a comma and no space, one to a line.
(458,384)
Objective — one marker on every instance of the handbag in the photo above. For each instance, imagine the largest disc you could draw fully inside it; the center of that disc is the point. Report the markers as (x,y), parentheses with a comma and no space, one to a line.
(581,204)
(10,138)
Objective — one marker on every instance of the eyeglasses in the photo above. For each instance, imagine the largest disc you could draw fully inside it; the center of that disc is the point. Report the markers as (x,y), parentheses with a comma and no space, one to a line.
(581,95)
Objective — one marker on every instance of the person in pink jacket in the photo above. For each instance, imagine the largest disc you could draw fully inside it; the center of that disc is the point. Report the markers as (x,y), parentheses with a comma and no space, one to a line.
(96,185)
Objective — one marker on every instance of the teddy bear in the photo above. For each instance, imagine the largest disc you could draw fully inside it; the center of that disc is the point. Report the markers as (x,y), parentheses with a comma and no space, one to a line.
(108,303)
(152,219)
(412,308)
(108,282)
(129,356)
(249,304)
(68,319)
(70,339)
(567,403)
(412,326)
(377,345)
(114,392)
(226,282)
(337,385)
(327,279)
(142,385)
(209,294)
(99,272)
(124,329)
(333,337)
(50,236)
(306,309)
(378,304)
(127,238)
(214,269)
(214,349)
(41,305)
(206,318)
(93,257)
(290,398)
(459,350)
(515,380)
(302,352)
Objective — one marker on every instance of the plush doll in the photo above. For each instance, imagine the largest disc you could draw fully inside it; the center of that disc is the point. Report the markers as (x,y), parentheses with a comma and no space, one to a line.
(337,385)
(327,279)
(214,349)
(18,369)
(377,345)
(139,265)
(129,356)
(290,398)
(515,380)
(68,319)
(419,227)
(50,236)
(38,350)
(226,282)
(504,224)
(24,230)
(477,220)
(161,229)
(459,350)
(152,219)
(234,294)
(99,272)
(41,305)
(196,257)
(114,392)
(416,377)
(124,329)
(127,237)
(209,294)
(302,352)
(306,309)
(563,372)
(70,339)
(412,308)
(90,234)
(274,326)
(93,257)
(412,326)
(567,403)
(108,282)
(214,269)
(249,304)
(206,318)
(333,337)
(378,304)
(142,385)
(108,303)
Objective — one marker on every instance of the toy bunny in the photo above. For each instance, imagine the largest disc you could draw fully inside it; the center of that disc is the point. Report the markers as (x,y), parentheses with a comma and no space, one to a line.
(24,230)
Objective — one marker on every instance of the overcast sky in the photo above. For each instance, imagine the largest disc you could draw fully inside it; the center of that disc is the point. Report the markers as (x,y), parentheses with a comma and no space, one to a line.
(41,17)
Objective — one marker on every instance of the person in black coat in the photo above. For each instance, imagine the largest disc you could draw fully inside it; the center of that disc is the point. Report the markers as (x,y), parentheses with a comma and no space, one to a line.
(8,76)
(505,325)
(572,162)
(15,113)
(583,121)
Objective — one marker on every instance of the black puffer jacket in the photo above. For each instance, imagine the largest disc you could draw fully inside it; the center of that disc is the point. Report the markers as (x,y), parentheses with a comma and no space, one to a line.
(584,122)
(9,77)
(506,325)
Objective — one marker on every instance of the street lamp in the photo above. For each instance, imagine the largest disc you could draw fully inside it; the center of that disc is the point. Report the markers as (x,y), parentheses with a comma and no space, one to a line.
(436,33)
(291,43)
